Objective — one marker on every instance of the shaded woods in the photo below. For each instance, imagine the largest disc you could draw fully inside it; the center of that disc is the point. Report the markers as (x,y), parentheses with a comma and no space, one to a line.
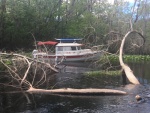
(88,19)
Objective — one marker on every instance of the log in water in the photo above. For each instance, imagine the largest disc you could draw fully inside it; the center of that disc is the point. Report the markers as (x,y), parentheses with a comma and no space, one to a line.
(70,91)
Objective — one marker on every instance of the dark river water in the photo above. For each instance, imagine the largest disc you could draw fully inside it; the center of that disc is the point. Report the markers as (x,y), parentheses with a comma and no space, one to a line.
(73,77)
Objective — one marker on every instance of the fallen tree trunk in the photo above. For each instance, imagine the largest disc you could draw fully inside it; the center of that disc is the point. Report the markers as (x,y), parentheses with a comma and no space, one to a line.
(125,67)
(70,91)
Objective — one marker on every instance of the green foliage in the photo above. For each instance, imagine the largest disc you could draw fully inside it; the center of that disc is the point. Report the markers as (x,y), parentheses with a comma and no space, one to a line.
(103,73)
(2,67)
(50,19)
(128,58)
(46,19)
(7,62)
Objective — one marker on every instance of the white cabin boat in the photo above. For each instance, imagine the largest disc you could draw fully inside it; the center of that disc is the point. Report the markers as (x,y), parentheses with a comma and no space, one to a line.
(66,50)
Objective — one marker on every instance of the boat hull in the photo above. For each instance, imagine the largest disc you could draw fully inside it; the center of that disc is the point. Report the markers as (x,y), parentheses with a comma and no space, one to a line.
(65,58)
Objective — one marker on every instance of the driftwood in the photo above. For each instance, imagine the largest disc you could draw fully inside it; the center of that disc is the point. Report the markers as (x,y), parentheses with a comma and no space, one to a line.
(70,91)
(125,67)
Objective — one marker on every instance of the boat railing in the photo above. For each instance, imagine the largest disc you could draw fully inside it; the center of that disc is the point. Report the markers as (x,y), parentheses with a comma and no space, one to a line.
(73,52)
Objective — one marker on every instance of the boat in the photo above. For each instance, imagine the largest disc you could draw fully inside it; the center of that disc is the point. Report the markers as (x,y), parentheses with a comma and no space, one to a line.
(66,50)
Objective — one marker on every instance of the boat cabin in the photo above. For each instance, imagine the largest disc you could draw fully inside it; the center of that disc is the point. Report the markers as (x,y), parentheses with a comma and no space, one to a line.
(68,48)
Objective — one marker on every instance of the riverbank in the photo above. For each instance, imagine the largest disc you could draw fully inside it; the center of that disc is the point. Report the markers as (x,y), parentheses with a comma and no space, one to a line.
(128,58)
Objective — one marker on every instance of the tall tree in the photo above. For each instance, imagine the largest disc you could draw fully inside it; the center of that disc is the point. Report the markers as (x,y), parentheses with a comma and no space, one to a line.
(2,22)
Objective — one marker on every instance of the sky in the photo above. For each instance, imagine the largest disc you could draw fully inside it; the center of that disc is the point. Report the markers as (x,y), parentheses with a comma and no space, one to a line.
(131,1)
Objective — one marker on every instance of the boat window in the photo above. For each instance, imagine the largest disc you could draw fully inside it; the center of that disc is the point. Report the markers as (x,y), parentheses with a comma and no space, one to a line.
(67,49)
(73,48)
(79,47)
(60,48)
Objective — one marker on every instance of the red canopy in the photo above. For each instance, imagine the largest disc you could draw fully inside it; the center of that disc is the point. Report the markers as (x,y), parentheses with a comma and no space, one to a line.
(47,43)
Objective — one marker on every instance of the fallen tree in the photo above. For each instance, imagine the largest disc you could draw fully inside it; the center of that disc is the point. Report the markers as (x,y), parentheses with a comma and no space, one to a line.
(126,68)
(27,59)
(29,86)
(23,72)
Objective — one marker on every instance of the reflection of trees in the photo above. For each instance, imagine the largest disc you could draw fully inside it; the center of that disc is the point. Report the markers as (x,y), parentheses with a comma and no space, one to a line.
(12,102)
(141,70)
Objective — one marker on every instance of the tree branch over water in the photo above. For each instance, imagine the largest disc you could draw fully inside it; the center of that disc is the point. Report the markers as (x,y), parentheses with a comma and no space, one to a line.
(125,67)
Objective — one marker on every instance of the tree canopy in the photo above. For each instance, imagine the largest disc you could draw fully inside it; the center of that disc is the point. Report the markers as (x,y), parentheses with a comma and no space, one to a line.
(50,19)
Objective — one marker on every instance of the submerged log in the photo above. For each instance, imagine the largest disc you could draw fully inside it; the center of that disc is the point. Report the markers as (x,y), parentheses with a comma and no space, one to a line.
(70,91)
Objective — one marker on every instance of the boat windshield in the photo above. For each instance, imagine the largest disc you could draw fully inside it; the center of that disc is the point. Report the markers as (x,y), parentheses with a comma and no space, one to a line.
(73,48)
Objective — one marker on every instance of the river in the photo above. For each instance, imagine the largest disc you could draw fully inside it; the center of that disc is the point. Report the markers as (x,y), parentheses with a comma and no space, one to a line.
(73,77)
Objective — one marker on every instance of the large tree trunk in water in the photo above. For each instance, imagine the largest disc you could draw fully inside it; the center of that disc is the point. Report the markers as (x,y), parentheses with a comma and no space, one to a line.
(125,67)
(70,91)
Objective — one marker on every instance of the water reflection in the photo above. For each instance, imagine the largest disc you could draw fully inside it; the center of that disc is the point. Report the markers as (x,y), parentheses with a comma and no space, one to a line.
(73,77)
(141,70)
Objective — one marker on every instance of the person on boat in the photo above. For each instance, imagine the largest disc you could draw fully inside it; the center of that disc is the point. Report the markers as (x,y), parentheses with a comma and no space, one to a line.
(34,53)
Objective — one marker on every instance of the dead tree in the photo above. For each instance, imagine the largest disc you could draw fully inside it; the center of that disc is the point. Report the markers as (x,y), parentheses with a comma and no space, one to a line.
(125,67)
(21,78)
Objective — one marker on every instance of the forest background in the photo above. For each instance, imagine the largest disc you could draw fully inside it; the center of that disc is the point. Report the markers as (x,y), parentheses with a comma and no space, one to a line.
(97,21)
